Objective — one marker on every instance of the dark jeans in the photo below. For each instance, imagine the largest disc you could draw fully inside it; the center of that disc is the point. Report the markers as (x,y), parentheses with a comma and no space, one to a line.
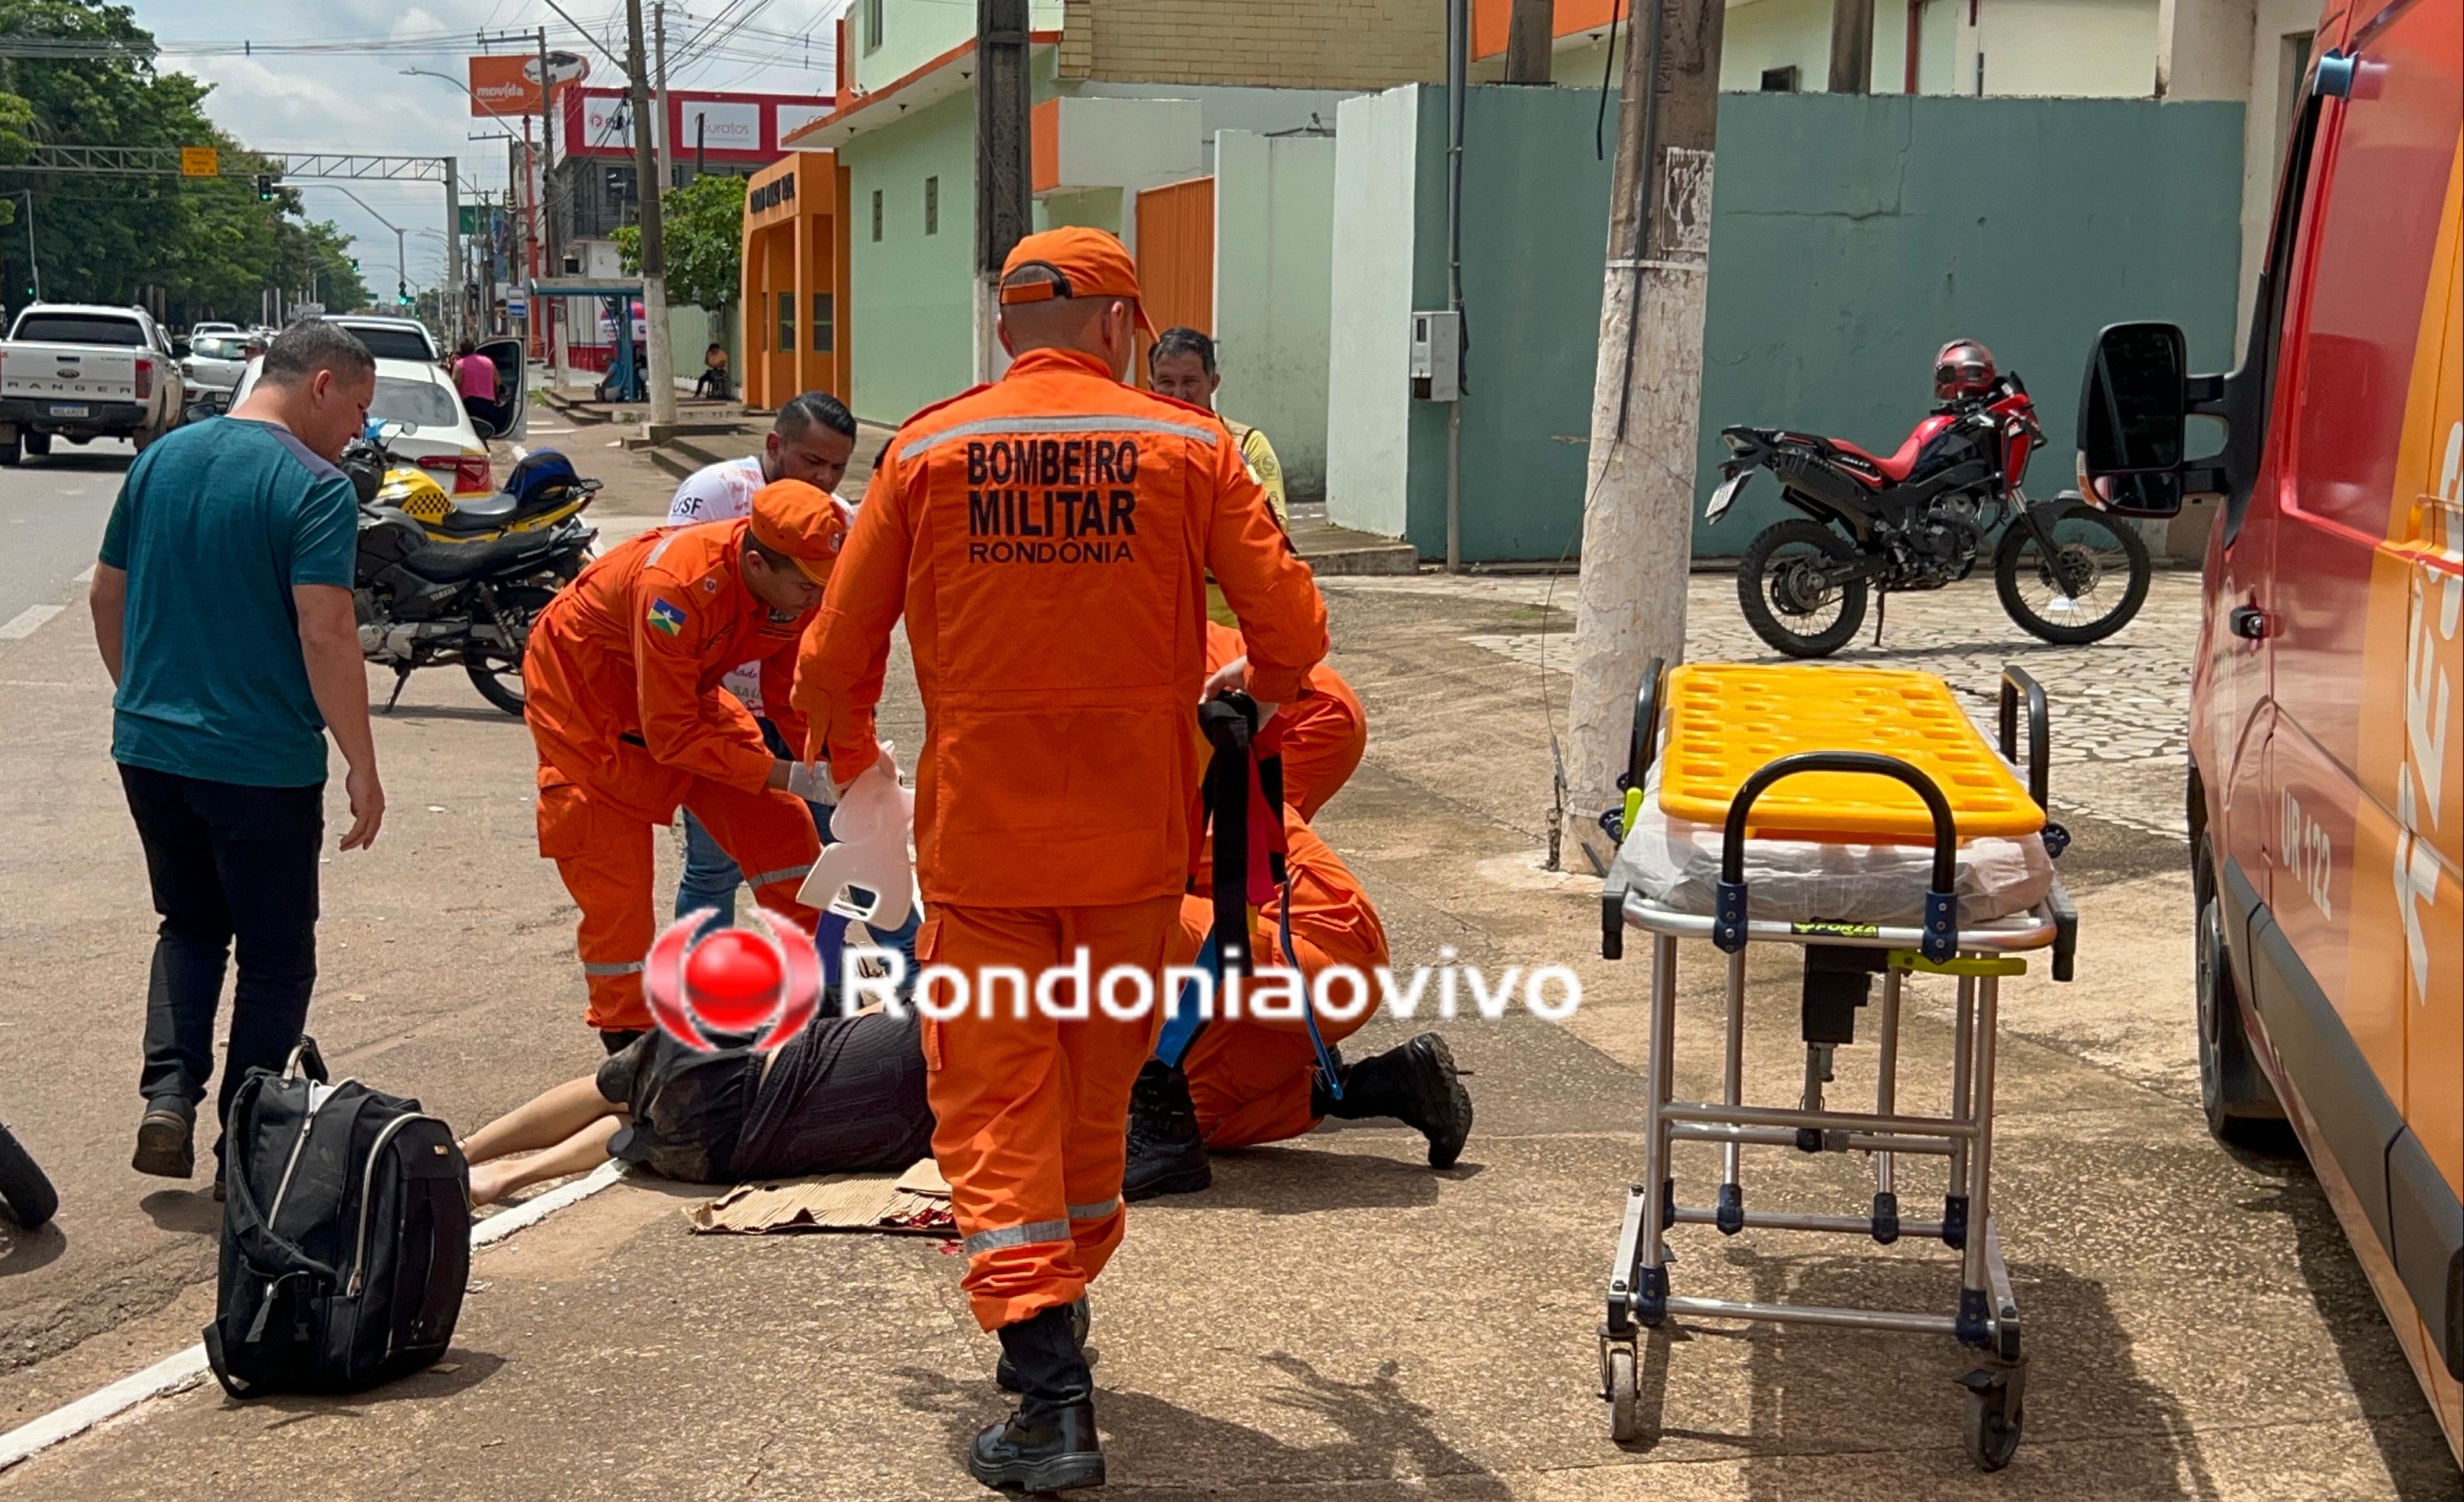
(229,864)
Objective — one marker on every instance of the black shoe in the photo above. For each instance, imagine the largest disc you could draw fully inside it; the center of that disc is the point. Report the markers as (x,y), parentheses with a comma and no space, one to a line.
(1167,1155)
(1006,1371)
(1414,1084)
(166,1138)
(1054,1452)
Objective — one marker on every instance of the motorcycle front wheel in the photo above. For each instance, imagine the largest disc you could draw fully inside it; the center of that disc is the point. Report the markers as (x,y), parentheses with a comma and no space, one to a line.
(1783,588)
(2087,585)
(497,675)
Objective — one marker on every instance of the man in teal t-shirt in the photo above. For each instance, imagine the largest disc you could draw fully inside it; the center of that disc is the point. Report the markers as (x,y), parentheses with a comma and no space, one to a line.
(222,604)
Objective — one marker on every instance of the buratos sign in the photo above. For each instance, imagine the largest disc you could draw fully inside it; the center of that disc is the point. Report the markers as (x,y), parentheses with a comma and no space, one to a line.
(733,128)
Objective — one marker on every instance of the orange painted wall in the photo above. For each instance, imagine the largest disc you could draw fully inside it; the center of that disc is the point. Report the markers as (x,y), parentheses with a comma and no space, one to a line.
(1489,20)
(795,248)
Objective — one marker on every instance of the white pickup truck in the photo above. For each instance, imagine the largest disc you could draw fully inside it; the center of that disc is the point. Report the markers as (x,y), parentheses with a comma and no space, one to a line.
(80,372)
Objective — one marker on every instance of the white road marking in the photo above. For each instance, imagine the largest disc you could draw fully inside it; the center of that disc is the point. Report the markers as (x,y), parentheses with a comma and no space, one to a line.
(24,623)
(185,1369)
(84,577)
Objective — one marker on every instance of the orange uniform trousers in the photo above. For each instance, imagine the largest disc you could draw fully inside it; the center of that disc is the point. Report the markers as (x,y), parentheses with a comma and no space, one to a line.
(1031,1114)
(1249,1077)
(606,856)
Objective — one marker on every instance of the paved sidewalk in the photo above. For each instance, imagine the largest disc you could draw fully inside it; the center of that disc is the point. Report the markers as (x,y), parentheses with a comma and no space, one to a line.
(1335,1321)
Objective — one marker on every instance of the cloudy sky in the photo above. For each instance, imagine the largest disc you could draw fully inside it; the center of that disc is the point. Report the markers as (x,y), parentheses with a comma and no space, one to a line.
(357,100)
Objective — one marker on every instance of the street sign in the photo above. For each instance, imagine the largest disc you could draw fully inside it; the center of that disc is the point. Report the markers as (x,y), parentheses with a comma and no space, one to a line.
(518,306)
(308,310)
(200,162)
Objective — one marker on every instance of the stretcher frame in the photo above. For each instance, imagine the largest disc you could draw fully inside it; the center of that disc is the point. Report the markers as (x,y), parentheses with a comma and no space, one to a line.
(1985,1318)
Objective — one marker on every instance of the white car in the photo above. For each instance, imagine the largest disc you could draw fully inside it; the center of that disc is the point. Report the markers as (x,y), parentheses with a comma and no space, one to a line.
(200,330)
(419,392)
(215,362)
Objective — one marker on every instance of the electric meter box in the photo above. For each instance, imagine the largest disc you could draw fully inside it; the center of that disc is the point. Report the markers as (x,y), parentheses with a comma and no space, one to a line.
(1437,356)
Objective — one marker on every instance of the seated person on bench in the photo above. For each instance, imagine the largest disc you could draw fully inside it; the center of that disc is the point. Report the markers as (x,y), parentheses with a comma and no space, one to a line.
(844,1095)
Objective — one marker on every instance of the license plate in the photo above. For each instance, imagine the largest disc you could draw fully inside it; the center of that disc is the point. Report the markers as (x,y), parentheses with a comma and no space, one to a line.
(65,410)
(1727,492)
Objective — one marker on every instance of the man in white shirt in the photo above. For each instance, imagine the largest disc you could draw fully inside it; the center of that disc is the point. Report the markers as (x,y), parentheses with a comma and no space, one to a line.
(812,440)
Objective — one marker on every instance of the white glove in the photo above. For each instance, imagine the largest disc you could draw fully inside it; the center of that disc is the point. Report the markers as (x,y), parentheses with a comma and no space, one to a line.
(868,832)
(811,781)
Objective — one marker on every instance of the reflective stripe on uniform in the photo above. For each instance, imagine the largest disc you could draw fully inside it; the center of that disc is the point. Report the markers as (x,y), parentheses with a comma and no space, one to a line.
(1095,1212)
(1014,1236)
(661,551)
(783,873)
(628,967)
(1091,422)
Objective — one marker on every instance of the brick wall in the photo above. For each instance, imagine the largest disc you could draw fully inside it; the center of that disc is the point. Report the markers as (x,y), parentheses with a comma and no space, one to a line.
(1301,44)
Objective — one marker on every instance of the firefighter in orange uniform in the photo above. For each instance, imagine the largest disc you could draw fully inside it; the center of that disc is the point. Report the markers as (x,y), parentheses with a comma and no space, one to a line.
(1049,539)
(622,673)
(1320,735)
(1249,1080)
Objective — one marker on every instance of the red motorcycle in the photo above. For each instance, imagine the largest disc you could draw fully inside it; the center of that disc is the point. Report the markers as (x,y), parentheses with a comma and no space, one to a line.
(1920,518)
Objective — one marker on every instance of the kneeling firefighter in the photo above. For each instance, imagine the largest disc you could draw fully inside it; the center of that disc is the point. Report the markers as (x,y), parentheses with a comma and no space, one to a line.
(1047,540)
(1275,891)
(623,674)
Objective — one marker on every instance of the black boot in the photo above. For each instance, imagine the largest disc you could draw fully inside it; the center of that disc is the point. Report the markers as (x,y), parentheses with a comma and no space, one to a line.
(1414,1084)
(1166,1153)
(1049,1443)
(166,1138)
(615,1039)
(1005,1373)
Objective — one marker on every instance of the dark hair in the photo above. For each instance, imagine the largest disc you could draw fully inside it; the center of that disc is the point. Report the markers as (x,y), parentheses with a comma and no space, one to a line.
(466,348)
(811,407)
(313,345)
(1180,341)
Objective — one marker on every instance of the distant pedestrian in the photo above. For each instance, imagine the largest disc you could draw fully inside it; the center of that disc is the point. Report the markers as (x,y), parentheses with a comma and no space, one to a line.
(222,604)
(713,380)
(475,376)
(1180,363)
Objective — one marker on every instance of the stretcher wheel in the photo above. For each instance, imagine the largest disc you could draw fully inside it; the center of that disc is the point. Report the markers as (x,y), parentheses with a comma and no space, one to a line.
(1996,1410)
(1625,1423)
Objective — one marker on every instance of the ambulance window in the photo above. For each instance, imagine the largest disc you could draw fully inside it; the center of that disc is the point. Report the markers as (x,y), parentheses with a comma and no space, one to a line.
(2268,337)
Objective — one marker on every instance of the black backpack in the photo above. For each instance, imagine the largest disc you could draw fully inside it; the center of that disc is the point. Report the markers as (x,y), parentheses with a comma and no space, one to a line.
(346,1236)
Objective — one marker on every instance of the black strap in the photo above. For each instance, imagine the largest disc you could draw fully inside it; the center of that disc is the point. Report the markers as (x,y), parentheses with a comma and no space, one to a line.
(1228,724)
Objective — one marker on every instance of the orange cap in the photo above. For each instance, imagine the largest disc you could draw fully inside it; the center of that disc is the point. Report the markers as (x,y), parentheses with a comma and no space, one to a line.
(1091,264)
(796,517)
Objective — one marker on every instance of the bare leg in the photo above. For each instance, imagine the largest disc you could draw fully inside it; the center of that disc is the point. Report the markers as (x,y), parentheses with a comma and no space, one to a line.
(545,1120)
(579,1152)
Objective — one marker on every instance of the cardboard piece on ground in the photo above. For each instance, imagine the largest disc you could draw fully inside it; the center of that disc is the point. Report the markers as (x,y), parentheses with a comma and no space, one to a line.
(925,1177)
(878,1203)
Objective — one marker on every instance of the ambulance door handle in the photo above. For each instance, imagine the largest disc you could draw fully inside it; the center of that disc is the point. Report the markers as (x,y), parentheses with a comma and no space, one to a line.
(2247,621)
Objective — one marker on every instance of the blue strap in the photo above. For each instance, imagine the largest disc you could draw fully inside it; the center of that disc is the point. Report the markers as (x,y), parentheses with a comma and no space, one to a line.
(1181,1027)
(1309,1013)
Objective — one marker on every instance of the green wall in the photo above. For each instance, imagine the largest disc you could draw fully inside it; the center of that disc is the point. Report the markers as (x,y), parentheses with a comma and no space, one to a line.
(912,291)
(1850,237)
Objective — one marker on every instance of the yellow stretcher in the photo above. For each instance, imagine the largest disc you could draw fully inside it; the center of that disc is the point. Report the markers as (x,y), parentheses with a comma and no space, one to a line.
(1854,757)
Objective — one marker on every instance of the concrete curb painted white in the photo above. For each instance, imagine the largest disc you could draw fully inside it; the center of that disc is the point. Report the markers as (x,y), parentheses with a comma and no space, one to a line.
(185,1369)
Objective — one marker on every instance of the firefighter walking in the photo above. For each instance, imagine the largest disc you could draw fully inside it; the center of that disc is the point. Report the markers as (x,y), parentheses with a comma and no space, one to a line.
(1047,540)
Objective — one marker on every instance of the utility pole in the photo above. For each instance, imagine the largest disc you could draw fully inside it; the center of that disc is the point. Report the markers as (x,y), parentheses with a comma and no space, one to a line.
(1530,42)
(548,309)
(1003,210)
(1646,397)
(654,252)
(667,146)
(449,298)
(1852,45)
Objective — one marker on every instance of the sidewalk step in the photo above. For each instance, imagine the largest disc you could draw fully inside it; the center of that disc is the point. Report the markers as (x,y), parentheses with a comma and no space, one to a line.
(1338,552)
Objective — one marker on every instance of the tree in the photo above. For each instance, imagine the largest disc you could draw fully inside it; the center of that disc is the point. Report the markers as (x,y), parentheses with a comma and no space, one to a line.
(704,226)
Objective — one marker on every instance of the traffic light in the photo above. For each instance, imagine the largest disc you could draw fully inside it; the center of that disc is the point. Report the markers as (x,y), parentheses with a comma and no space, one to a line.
(401,294)
(355,265)
(265,187)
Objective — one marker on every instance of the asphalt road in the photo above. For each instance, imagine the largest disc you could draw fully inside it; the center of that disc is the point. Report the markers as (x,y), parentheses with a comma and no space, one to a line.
(52,510)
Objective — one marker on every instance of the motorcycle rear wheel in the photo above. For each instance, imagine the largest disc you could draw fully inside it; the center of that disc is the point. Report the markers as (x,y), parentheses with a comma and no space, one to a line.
(2104,562)
(1779,590)
(498,675)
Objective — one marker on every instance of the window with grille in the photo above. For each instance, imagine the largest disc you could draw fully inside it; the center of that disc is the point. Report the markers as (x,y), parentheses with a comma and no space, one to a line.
(932,205)
(786,321)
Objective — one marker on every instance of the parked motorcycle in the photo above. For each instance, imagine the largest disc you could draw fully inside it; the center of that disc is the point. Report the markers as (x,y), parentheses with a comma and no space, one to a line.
(463,586)
(1920,518)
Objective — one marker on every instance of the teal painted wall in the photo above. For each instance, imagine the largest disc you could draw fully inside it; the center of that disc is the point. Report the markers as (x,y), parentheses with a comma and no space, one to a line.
(1850,237)
(912,291)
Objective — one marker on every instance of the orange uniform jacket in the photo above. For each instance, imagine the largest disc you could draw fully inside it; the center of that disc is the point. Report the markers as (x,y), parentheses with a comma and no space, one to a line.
(622,672)
(1048,539)
(1320,735)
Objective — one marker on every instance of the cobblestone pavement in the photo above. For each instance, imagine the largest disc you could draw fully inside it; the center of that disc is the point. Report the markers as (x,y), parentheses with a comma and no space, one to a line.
(2120,709)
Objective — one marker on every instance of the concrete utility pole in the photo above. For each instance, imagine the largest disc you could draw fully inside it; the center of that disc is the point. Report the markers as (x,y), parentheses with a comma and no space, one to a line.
(1004,213)
(548,309)
(1852,45)
(452,294)
(655,254)
(667,146)
(1531,41)
(1646,399)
